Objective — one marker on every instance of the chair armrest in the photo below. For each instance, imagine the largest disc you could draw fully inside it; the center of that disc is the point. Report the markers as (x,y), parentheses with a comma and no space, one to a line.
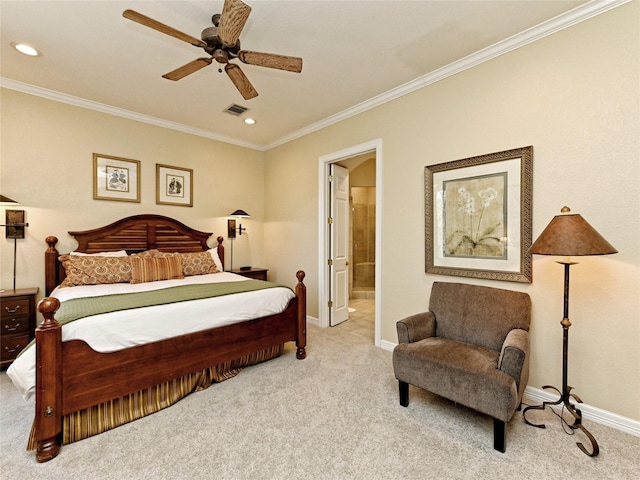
(515,351)
(416,327)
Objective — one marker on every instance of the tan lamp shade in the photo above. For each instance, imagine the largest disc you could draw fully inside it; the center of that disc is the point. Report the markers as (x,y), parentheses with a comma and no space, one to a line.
(240,214)
(570,235)
(7,201)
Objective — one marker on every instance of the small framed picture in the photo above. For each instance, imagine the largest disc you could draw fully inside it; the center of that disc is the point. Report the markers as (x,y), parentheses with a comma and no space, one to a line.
(174,186)
(116,178)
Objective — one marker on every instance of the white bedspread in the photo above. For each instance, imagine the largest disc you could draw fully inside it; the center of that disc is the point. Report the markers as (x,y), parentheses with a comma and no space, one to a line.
(114,331)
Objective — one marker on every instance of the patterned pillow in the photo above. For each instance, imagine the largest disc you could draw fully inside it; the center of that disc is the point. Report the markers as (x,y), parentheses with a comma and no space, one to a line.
(95,270)
(145,269)
(198,263)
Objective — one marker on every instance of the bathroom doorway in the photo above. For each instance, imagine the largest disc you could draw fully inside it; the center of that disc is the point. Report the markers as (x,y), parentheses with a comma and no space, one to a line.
(365,162)
(362,244)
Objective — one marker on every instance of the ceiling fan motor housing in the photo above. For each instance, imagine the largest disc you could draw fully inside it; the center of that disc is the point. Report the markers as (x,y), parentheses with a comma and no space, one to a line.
(214,46)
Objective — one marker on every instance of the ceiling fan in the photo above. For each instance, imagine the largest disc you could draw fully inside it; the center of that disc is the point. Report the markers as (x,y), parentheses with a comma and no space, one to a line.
(221,42)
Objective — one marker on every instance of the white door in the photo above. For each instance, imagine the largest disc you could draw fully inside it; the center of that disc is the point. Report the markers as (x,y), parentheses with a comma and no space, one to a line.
(339,242)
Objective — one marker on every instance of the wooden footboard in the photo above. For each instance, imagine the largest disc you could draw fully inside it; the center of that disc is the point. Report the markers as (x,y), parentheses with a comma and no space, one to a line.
(71,376)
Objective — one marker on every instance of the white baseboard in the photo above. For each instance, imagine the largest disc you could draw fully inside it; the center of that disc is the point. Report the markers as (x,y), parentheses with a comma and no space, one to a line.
(387,345)
(589,412)
(595,414)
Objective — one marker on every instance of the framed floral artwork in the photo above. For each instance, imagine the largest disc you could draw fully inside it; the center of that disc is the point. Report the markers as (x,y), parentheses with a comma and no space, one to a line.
(478,216)
(174,186)
(116,178)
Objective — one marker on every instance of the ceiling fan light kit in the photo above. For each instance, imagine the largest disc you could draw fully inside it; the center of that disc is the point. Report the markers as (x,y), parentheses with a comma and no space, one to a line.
(222,43)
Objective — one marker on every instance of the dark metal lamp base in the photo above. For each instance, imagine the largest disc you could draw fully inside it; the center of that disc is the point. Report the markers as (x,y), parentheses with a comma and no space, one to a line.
(565,399)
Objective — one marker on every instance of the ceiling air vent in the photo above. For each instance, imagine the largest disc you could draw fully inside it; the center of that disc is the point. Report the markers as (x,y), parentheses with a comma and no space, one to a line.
(235,109)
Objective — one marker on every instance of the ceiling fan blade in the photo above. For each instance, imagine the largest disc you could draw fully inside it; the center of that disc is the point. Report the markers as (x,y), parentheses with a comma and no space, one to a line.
(187,69)
(161,27)
(234,15)
(271,60)
(241,81)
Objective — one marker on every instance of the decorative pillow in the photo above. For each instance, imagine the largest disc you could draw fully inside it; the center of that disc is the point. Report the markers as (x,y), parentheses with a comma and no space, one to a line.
(216,258)
(198,263)
(95,270)
(144,269)
(119,253)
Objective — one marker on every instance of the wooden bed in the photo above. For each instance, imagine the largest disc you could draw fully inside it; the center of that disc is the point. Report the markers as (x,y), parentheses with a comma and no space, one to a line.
(70,376)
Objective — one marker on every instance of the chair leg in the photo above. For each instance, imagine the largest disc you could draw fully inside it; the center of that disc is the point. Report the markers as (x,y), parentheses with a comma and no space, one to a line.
(499,435)
(404,393)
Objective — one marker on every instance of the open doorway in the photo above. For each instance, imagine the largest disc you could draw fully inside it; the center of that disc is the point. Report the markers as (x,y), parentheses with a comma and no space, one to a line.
(364,165)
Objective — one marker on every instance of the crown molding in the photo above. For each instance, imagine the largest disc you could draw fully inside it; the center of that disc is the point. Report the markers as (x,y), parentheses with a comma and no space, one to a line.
(556,24)
(118,112)
(533,34)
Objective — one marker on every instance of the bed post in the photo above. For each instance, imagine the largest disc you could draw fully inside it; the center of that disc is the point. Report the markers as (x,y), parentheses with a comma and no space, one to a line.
(48,421)
(301,293)
(221,250)
(51,275)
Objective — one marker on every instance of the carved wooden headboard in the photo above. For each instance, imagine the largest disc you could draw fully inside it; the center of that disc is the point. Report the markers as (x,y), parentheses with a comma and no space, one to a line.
(133,234)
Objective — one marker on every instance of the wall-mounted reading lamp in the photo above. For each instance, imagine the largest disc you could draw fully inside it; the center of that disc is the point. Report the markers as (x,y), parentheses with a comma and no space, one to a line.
(231,223)
(14,228)
(232,229)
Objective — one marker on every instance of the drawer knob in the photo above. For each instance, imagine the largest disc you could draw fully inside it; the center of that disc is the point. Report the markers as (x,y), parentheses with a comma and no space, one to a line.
(12,350)
(12,328)
(12,310)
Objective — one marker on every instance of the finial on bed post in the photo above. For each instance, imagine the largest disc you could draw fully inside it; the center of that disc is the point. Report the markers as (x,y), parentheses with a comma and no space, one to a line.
(301,293)
(48,421)
(48,306)
(51,241)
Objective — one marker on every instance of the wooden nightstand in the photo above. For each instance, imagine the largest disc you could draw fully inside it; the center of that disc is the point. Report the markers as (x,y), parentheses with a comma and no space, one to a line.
(254,272)
(18,322)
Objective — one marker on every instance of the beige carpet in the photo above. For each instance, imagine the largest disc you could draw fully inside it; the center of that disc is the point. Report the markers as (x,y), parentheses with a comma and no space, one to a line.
(334,415)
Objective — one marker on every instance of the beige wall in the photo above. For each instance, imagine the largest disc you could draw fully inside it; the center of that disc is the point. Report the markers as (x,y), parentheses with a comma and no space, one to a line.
(574,97)
(46,165)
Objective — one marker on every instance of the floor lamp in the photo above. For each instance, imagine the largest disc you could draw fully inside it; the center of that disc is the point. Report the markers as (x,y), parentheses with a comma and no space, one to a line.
(15,225)
(569,235)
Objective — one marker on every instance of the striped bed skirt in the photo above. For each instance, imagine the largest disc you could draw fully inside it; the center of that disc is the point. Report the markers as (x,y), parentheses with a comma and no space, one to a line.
(116,412)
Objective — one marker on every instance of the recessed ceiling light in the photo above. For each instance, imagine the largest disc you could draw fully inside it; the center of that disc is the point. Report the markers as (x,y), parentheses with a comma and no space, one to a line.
(26,49)
(249,121)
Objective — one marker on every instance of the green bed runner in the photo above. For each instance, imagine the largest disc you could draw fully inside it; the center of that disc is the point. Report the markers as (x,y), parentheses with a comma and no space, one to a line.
(85,307)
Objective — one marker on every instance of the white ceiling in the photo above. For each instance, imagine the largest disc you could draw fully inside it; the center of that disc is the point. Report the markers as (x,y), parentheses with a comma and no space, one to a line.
(356,53)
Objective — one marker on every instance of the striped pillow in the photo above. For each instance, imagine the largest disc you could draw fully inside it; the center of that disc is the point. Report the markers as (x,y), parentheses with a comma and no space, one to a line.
(144,269)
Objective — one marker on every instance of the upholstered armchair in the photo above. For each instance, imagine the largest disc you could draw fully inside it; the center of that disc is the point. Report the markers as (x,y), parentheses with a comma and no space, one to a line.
(471,347)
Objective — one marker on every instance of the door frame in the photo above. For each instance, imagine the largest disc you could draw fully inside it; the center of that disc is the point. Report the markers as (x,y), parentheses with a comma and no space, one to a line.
(323,243)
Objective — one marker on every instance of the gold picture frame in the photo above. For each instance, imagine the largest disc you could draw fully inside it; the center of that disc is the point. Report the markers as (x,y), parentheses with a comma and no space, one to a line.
(478,216)
(174,186)
(116,178)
